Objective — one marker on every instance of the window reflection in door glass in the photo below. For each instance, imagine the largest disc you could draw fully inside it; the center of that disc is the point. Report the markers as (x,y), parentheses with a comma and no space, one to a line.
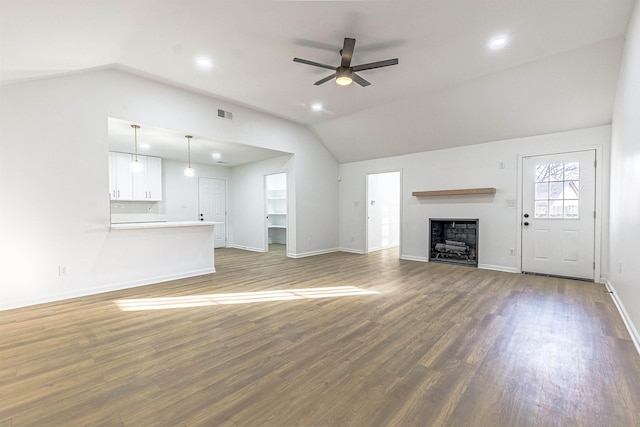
(542,209)
(556,172)
(542,173)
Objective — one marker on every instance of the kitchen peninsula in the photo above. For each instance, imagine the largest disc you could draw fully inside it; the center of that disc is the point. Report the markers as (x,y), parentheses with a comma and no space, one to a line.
(157,251)
(160,224)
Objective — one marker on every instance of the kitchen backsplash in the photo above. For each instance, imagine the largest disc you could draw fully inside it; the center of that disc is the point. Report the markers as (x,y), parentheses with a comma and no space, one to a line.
(134,211)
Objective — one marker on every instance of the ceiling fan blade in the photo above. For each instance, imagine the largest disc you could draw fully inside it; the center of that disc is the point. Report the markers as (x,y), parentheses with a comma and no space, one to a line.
(326,79)
(347,51)
(362,82)
(315,64)
(378,64)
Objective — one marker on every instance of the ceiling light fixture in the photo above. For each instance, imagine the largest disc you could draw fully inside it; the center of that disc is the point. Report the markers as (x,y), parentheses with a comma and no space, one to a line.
(188,171)
(344,76)
(216,155)
(498,42)
(316,107)
(135,166)
(204,63)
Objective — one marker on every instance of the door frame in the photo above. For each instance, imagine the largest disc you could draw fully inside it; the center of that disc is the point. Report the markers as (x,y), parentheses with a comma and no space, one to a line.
(597,238)
(366,209)
(226,205)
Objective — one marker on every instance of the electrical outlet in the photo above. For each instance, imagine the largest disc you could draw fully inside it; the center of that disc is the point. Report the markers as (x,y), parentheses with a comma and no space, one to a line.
(501,165)
(511,203)
(353,239)
(308,240)
(63,270)
(512,252)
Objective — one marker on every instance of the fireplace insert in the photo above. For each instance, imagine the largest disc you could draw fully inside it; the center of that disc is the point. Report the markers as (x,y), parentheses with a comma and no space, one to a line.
(454,240)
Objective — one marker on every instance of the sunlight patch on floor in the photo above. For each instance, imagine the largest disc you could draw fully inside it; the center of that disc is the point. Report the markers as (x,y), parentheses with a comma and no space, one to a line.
(163,303)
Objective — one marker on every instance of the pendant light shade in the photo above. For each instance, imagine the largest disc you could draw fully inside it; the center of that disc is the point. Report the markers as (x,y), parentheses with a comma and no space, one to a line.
(188,171)
(135,166)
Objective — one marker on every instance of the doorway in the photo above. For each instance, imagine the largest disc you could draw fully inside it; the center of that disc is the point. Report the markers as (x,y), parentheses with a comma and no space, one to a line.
(383,211)
(558,214)
(212,202)
(276,207)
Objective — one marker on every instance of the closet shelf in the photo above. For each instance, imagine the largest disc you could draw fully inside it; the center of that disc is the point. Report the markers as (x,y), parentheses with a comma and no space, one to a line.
(457,192)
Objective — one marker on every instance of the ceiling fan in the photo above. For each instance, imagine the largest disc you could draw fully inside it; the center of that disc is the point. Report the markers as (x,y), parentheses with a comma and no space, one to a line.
(345,73)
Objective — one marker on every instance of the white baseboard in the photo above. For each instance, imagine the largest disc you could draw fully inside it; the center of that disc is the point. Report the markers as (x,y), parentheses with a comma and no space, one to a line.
(105,288)
(313,253)
(635,337)
(351,250)
(414,258)
(246,248)
(497,268)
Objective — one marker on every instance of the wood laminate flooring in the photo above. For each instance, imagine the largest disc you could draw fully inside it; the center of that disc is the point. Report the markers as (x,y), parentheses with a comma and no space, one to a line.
(417,344)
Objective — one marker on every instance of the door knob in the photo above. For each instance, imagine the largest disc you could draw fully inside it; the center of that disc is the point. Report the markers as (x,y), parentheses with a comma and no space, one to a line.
(526,223)
(526,215)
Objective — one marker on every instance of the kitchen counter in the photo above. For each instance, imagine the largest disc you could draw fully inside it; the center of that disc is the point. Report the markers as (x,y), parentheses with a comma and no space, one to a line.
(161,224)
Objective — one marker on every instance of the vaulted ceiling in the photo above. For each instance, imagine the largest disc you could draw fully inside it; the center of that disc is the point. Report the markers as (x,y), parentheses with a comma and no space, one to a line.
(557,72)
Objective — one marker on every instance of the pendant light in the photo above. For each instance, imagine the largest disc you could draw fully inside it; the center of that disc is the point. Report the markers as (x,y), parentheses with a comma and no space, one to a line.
(188,171)
(135,166)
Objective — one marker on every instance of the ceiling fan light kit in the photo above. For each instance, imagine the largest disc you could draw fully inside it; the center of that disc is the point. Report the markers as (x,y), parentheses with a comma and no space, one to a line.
(345,74)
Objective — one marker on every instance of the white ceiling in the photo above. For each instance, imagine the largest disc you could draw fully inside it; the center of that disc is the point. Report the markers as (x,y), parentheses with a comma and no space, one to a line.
(558,72)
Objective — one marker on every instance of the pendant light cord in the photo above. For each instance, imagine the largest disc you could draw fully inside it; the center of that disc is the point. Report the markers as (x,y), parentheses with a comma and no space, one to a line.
(135,136)
(189,148)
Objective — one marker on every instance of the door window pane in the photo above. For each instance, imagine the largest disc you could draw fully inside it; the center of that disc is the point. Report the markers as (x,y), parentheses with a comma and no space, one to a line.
(556,172)
(542,209)
(557,190)
(542,191)
(571,209)
(542,173)
(571,190)
(571,171)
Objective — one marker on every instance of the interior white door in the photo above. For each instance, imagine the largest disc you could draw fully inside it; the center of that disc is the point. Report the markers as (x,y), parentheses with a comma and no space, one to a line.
(558,208)
(213,206)
(383,210)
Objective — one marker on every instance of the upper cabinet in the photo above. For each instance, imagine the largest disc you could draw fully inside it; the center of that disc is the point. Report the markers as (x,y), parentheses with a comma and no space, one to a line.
(147,184)
(120,182)
(124,184)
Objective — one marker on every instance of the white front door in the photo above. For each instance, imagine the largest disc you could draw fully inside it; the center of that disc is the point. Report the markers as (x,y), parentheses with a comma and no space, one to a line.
(558,209)
(213,206)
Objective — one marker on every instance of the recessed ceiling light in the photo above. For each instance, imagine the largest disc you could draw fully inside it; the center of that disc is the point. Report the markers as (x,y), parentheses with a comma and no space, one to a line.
(316,107)
(498,42)
(143,146)
(204,63)
(216,155)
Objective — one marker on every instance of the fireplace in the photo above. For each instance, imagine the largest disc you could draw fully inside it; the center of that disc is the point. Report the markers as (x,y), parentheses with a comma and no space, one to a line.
(454,240)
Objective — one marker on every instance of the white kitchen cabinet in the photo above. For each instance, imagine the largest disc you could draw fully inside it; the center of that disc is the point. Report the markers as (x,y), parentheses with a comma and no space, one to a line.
(147,184)
(125,184)
(120,183)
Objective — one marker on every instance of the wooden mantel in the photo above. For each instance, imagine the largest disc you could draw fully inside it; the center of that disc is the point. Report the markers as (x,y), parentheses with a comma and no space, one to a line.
(458,192)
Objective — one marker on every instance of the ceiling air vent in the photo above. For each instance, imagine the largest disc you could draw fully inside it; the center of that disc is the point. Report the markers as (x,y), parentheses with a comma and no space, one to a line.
(225,114)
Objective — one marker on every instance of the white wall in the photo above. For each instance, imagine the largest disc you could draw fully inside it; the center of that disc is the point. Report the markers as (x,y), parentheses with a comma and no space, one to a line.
(463,167)
(625,183)
(54,208)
